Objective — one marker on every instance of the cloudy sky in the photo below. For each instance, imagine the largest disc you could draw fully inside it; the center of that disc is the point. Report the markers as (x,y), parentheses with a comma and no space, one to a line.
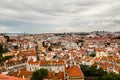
(38,16)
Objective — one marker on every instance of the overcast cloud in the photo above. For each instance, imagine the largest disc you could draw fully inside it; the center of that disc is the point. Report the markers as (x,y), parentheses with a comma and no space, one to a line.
(37,16)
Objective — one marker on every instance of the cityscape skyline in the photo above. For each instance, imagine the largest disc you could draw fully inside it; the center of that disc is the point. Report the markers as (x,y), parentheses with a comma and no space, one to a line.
(51,16)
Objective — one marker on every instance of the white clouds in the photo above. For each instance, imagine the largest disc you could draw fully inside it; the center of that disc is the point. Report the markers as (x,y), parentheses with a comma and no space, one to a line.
(72,15)
(4,28)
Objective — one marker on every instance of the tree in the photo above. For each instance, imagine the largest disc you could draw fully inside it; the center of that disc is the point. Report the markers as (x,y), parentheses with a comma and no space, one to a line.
(2,50)
(111,76)
(92,71)
(93,55)
(63,48)
(98,74)
(8,38)
(40,74)
(1,47)
(5,58)
(50,49)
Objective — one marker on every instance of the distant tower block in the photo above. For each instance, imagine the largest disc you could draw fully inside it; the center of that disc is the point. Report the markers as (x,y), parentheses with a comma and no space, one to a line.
(36,49)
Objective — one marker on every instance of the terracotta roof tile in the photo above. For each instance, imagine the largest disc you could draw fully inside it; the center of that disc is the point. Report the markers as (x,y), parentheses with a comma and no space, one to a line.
(6,77)
(75,71)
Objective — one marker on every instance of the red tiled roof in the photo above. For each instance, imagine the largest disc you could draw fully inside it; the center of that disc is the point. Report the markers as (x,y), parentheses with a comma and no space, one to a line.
(50,74)
(44,62)
(74,71)
(6,77)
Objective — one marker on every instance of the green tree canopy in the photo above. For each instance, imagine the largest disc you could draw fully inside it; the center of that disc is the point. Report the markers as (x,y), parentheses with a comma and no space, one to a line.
(110,76)
(50,48)
(98,74)
(1,47)
(40,74)
(92,55)
(2,50)
(92,71)
(8,38)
